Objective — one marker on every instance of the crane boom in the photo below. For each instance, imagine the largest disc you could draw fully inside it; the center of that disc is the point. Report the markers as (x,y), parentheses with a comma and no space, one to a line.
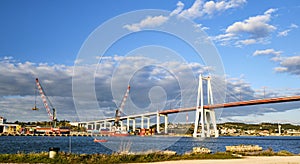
(45,102)
(120,109)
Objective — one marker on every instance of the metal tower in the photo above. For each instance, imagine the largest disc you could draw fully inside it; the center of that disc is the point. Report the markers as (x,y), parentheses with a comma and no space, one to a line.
(206,117)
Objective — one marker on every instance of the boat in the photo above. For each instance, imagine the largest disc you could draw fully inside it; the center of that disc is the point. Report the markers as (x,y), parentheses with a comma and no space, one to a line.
(99,140)
(119,134)
(114,133)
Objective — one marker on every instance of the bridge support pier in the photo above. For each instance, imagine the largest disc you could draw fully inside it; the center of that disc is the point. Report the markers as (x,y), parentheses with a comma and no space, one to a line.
(133,124)
(157,122)
(142,122)
(148,122)
(128,123)
(166,124)
(205,117)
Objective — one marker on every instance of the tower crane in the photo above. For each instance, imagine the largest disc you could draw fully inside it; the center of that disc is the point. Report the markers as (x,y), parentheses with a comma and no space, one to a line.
(47,103)
(119,110)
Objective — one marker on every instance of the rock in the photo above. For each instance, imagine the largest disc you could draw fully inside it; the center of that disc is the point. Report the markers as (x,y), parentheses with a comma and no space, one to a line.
(168,152)
(201,150)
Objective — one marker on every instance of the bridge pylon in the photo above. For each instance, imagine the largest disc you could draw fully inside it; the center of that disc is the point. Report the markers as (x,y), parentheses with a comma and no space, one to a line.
(206,117)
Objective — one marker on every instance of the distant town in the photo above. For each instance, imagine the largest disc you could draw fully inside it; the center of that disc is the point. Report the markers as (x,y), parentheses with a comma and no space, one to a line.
(71,128)
(242,129)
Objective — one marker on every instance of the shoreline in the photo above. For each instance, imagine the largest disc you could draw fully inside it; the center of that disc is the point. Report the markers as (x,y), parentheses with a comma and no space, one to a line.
(164,157)
(84,134)
(243,160)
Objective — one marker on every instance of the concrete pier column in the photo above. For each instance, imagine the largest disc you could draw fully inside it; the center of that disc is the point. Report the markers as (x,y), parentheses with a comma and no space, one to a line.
(100,125)
(148,122)
(157,122)
(105,122)
(128,123)
(166,124)
(142,122)
(133,124)
(207,114)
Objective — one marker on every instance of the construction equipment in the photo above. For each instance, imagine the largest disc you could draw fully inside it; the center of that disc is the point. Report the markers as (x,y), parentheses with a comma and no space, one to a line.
(35,108)
(119,110)
(47,103)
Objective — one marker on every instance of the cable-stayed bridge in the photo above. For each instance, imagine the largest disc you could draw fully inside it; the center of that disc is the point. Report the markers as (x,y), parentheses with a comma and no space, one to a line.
(205,119)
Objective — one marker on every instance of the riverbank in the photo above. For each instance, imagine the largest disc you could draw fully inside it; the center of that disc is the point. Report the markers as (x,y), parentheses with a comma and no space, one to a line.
(244,160)
(162,157)
(63,157)
(85,134)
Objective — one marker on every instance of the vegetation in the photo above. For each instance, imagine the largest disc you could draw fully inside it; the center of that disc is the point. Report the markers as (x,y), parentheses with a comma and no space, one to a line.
(44,123)
(63,157)
(261,126)
(103,158)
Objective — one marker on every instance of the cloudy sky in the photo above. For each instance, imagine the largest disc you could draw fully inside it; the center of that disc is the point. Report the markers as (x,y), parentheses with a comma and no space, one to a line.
(86,53)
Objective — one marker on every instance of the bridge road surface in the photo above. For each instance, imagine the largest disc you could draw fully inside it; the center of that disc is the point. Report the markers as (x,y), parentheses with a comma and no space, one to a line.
(236,104)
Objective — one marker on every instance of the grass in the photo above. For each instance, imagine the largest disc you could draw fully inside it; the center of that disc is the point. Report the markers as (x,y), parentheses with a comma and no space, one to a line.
(103,158)
(63,157)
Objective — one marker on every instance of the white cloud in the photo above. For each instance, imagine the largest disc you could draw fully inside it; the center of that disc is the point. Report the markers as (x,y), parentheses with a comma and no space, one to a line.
(283,33)
(179,8)
(194,11)
(197,10)
(201,27)
(267,52)
(286,32)
(200,8)
(246,42)
(256,26)
(224,39)
(18,80)
(280,69)
(293,25)
(148,22)
(289,65)
(17,87)
(252,30)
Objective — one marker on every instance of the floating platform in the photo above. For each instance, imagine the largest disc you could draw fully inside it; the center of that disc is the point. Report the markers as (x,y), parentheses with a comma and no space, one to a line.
(243,148)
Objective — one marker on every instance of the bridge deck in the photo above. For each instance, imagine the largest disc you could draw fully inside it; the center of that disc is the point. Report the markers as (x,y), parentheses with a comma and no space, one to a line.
(215,106)
(236,104)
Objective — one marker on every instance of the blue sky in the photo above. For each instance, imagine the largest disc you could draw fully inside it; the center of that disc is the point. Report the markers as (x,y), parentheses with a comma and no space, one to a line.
(257,42)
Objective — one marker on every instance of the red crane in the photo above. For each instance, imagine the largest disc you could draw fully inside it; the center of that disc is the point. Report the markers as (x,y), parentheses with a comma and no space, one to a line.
(47,103)
(120,109)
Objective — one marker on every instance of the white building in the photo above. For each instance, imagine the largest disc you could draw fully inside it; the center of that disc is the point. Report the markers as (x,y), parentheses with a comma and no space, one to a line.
(2,120)
(8,128)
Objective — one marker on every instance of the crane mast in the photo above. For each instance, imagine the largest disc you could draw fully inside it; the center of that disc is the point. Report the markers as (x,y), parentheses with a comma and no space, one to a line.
(120,109)
(45,102)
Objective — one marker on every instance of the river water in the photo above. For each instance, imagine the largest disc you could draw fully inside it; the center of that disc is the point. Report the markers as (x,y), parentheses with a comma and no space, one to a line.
(85,145)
